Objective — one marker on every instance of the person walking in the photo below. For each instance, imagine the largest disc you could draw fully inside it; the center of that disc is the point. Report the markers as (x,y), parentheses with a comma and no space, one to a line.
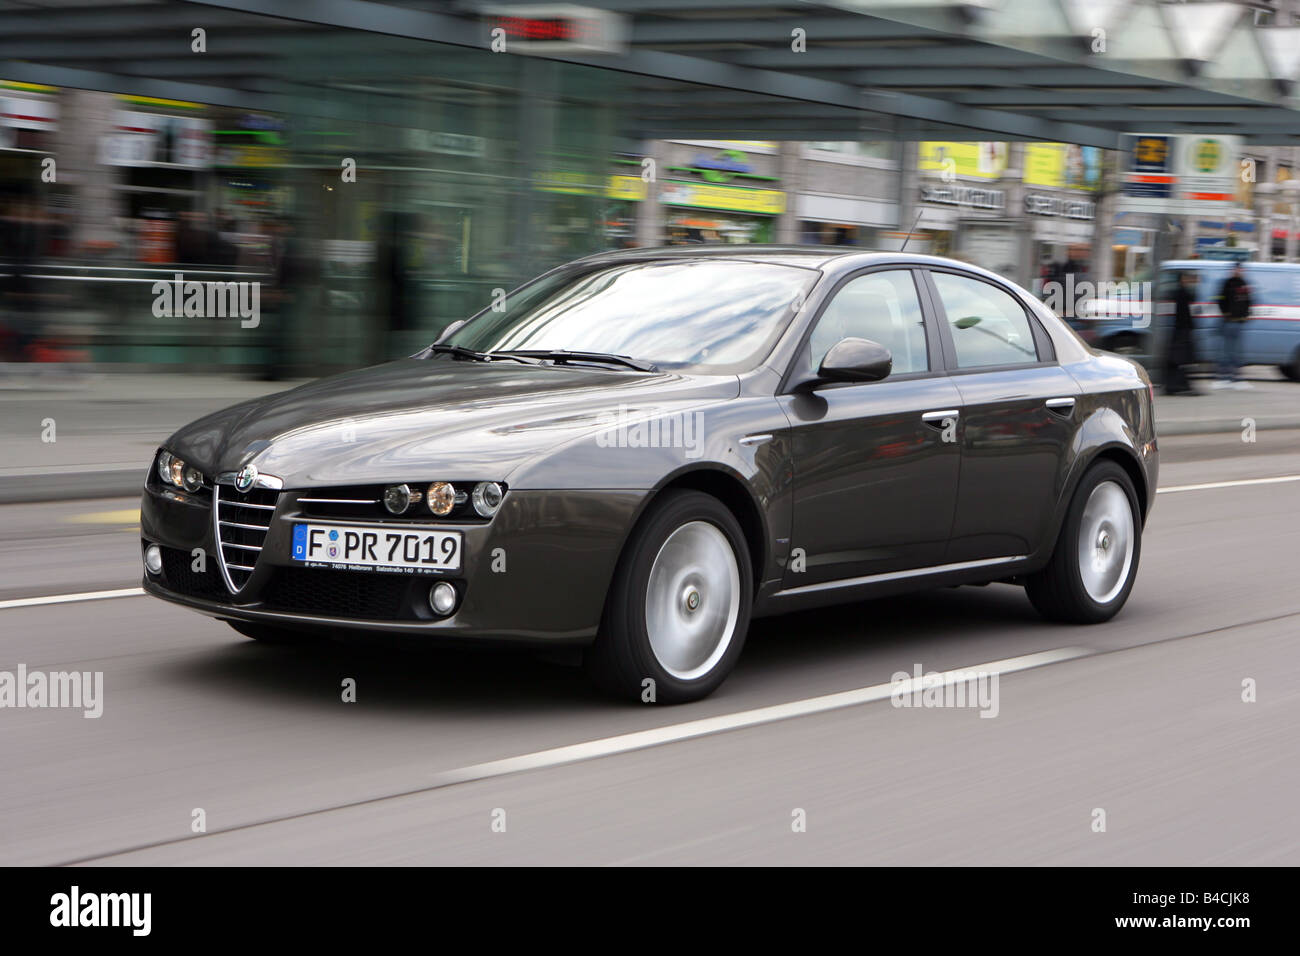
(1180,351)
(1234,306)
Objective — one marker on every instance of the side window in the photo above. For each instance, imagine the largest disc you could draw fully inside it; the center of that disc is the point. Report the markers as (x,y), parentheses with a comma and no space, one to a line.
(989,326)
(881,306)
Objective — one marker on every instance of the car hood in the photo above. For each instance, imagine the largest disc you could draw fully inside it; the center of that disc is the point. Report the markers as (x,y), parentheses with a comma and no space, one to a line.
(424,419)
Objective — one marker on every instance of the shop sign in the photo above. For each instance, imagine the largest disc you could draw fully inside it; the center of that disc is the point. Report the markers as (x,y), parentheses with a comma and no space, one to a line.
(970,196)
(1041,204)
(1062,165)
(981,160)
(455,144)
(146,139)
(553,28)
(1179,174)
(764,202)
(577,183)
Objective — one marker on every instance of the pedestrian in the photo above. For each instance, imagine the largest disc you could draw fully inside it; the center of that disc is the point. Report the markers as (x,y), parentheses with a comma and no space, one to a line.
(1234,307)
(1180,351)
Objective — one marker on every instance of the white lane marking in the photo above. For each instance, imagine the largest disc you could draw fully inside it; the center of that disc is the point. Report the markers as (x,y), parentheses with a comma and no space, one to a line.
(71,598)
(639,740)
(1236,483)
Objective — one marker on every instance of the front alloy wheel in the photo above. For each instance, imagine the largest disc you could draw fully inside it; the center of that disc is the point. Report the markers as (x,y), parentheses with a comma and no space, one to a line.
(678,607)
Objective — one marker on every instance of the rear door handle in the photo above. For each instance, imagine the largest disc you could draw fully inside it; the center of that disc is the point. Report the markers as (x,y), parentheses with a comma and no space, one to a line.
(941,418)
(1062,406)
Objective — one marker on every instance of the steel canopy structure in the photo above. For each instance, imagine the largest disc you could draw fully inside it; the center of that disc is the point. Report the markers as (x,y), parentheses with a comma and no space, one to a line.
(1080,71)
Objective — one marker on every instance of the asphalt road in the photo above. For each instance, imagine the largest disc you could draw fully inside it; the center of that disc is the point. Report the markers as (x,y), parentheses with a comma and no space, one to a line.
(1141,718)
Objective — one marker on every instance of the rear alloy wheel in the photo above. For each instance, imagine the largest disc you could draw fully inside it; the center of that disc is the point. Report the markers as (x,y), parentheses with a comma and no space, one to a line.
(1095,562)
(267,634)
(679,605)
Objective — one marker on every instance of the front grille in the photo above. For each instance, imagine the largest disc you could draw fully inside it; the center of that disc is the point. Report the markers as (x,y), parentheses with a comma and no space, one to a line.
(354,595)
(179,575)
(242,520)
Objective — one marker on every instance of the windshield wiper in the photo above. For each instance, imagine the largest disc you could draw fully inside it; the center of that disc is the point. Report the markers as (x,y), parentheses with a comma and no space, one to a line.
(459,351)
(569,355)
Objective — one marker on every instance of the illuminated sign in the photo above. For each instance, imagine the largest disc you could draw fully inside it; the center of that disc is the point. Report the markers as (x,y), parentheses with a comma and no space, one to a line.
(553,28)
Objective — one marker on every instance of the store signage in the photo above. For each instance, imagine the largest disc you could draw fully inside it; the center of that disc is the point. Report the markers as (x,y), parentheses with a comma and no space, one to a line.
(1041,204)
(982,160)
(149,139)
(553,28)
(1179,174)
(724,165)
(970,196)
(454,144)
(1062,165)
(764,202)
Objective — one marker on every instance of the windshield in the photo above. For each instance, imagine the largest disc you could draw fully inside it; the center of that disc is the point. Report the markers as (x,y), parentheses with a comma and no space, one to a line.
(710,316)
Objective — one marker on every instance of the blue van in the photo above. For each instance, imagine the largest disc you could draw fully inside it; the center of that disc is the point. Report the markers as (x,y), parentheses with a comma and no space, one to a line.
(1271,335)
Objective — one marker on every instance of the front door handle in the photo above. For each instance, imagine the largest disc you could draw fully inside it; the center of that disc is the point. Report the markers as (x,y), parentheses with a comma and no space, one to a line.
(941,418)
(1062,406)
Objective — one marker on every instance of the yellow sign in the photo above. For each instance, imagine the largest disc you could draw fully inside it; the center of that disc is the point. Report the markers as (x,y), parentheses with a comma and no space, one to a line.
(573,183)
(629,188)
(1063,165)
(764,202)
(981,160)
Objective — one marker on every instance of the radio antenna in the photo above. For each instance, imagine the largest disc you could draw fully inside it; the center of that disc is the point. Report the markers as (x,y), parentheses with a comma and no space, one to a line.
(919,214)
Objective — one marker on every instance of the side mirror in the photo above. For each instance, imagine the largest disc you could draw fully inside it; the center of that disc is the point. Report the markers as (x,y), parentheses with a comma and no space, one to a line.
(856,360)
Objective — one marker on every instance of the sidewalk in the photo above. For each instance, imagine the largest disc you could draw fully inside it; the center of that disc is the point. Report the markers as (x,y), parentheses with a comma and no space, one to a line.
(108,425)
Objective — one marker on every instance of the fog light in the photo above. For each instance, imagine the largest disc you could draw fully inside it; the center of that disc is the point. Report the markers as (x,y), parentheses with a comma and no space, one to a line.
(193,479)
(442,598)
(397,498)
(153,559)
(442,497)
(487,498)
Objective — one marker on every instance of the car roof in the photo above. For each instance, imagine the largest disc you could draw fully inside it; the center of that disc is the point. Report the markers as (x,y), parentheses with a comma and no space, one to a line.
(841,258)
(1201,263)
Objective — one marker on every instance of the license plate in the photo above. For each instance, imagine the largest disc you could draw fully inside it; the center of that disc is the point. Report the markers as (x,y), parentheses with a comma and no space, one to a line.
(377,548)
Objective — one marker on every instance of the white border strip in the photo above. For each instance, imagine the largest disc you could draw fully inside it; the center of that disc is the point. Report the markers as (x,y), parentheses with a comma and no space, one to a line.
(624,743)
(1237,483)
(71,598)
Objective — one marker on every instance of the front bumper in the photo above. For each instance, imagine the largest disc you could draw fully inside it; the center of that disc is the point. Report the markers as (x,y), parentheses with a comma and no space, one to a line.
(537,572)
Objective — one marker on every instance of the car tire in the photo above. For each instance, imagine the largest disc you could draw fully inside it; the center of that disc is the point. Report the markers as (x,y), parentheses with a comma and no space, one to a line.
(267,634)
(678,608)
(1292,369)
(1095,562)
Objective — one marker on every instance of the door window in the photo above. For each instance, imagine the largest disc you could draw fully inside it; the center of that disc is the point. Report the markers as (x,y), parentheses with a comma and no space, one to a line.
(989,326)
(882,307)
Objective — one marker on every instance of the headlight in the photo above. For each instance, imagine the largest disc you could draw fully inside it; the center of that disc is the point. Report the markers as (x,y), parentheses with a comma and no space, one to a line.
(178,473)
(165,467)
(487,498)
(193,478)
(442,497)
(397,498)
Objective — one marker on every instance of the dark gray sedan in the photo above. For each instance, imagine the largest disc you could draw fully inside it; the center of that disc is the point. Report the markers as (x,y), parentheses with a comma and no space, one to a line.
(637,453)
